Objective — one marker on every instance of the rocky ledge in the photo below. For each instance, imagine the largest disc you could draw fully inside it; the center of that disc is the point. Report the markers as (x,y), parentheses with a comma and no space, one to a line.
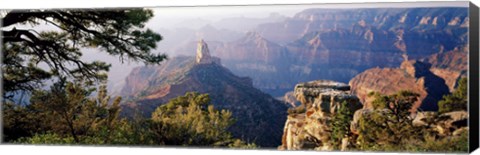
(309,126)
(311,129)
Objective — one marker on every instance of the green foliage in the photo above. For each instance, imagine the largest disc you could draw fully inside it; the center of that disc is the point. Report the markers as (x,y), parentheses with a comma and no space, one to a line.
(458,100)
(341,125)
(17,74)
(379,133)
(399,102)
(137,131)
(191,120)
(66,110)
(46,139)
(457,143)
(66,114)
(239,144)
(18,122)
(379,100)
(389,126)
(119,32)
(76,115)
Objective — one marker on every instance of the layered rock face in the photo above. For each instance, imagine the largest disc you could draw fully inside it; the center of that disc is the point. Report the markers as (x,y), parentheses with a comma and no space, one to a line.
(412,75)
(259,117)
(320,19)
(338,44)
(311,129)
(450,65)
(431,77)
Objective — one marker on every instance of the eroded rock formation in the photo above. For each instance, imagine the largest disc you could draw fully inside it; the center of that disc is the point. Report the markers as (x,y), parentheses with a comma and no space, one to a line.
(203,54)
(413,75)
(311,129)
(259,117)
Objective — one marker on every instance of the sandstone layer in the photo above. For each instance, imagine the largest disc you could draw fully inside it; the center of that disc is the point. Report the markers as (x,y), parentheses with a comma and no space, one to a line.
(413,75)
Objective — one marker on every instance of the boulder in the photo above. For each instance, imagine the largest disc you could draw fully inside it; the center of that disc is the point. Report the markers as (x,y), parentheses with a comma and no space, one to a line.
(423,118)
(448,123)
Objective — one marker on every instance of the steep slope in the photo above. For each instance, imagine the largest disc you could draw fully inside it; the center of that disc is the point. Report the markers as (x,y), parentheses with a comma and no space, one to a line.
(412,75)
(345,42)
(267,63)
(455,60)
(431,77)
(450,66)
(259,117)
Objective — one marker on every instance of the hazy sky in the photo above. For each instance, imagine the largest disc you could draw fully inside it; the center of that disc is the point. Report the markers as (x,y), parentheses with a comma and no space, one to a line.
(288,10)
(168,16)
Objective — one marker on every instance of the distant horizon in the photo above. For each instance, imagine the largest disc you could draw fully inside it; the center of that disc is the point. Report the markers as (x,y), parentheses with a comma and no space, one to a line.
(213,13)
(298,7)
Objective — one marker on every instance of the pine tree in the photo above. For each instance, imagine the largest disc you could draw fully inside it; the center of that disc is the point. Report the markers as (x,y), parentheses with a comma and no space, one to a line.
(458,100)
(118,32)
(341,125)
(66,110)
(389,127)
(191,120)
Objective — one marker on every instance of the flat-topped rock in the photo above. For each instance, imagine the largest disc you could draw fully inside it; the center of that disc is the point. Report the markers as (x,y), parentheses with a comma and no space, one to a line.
(322,99)
(325,85)
(323,93)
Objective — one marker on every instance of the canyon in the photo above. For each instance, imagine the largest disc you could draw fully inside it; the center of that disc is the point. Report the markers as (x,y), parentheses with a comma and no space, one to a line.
(258,116)
(334,44)
(258,73)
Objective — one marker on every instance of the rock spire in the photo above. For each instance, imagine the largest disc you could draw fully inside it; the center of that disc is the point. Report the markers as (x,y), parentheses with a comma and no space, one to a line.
(203,54)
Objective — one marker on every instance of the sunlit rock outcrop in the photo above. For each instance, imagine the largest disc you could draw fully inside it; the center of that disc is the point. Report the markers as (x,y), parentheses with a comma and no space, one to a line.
(203,54)
(311,129)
